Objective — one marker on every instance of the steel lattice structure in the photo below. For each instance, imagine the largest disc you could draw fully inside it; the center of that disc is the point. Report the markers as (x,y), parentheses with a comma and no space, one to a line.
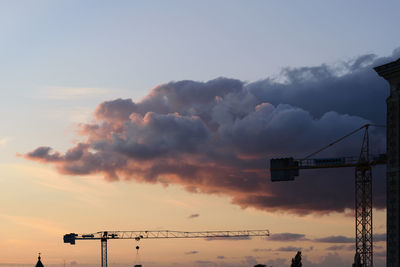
(363,204)
(158,234)
(285,169)
(363,212)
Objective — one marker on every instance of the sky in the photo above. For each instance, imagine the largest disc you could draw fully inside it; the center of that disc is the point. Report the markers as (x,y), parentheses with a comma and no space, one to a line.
(150,115)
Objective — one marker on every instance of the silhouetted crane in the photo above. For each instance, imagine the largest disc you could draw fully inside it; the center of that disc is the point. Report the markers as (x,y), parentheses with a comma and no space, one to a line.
(138,235)
(285,169)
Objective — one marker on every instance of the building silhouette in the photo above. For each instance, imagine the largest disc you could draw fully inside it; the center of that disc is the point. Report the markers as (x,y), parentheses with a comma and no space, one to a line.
(391,73)
(39,262)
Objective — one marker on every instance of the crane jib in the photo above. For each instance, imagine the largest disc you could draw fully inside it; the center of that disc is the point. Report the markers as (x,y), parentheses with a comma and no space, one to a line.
(137,235)
(160,234)
(285,169)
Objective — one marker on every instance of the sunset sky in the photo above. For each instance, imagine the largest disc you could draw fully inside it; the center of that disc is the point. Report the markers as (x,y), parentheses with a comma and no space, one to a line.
(150,115)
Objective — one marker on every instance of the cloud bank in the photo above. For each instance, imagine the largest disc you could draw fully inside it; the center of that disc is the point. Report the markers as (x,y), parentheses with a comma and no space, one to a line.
(215,137)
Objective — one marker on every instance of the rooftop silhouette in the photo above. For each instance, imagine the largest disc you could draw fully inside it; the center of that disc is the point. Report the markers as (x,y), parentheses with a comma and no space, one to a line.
(39,262)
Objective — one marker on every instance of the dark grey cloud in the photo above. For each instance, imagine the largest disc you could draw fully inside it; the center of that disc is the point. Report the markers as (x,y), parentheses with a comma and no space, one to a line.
(379,237)
(192,216)
(335,239)
(381,254)
(288,249)
(348,88)
(43,153)
(191,252)
(285,237)
(294,237)
(215,137)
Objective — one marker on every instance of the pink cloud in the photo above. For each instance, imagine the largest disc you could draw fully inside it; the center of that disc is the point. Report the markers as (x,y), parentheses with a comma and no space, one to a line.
(215,137)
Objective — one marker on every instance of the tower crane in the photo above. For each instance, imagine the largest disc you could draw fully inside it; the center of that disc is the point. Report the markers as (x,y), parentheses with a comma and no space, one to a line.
(162,234)
(285,169)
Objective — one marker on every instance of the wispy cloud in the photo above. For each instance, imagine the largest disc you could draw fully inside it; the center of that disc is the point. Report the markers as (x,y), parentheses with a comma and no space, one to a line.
(335,239)
(192,216)
(380,237)
(191,252)
(288,249)
(34,223)
(235,238)
(4,141)
(91,190)
(75,115)
(63,93)
(340,247)
(287,237)
(262,249)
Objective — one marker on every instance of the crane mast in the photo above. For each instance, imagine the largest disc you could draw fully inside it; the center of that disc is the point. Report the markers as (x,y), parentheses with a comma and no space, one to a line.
(285,169)
(363,204)
(104,236)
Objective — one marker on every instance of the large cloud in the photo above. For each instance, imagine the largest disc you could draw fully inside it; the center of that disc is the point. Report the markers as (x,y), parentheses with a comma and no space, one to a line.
(216,136)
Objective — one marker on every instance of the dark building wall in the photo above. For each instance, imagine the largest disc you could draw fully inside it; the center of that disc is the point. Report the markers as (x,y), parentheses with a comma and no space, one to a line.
(391,72)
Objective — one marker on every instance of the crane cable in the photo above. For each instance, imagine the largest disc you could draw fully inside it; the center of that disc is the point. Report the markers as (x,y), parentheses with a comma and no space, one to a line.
(137,259)
(340,139)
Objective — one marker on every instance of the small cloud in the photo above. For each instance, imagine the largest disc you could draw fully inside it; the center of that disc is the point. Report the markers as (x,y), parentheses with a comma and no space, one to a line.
(191,252)
(288,249)
(192,216)
(335,239)
(287,237)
